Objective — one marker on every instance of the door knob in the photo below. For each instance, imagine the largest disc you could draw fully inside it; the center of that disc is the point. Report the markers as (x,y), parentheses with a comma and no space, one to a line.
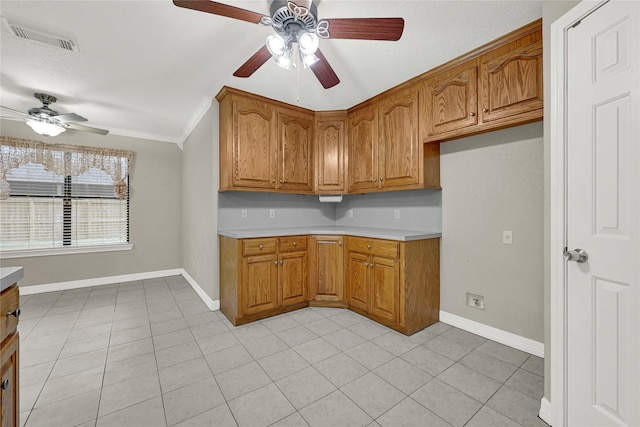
(577,255)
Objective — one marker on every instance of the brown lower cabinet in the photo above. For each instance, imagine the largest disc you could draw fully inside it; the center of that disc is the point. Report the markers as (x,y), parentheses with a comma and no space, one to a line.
(395,283)
(262,277)
(326,272)
(9,358)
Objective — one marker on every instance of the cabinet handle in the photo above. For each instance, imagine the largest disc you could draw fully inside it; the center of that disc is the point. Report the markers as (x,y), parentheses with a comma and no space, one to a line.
(280,262)
(15,313)
(368,246)
(273,181)
(339,243)
(381,179)
(260,246)
(472,114)
(276,263)
(375,179)
(5,384)
(295,243)
(280,181)
(485,110)
(366,264)
(371,265)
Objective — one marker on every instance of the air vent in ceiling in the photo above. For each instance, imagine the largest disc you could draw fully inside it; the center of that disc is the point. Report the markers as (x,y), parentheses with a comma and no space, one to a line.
(29,33)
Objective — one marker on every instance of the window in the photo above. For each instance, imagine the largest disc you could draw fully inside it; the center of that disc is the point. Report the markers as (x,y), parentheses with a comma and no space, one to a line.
(56,196)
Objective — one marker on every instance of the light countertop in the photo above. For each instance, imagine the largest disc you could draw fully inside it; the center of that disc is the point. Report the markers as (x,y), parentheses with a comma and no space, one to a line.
(9,276)
(376,233)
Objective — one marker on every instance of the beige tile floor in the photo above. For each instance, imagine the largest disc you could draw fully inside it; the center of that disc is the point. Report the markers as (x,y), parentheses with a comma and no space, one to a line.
(151,354)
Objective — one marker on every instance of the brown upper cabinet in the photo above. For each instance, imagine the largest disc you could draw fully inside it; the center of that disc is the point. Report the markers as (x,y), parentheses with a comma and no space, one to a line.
(264,145)
(497,86)
(385,151)
(330,142)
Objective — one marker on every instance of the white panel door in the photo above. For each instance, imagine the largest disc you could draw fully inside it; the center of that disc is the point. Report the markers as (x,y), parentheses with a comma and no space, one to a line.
(603,217)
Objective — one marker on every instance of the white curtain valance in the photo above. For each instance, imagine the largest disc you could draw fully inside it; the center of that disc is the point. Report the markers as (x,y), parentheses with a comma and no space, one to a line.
(64,160)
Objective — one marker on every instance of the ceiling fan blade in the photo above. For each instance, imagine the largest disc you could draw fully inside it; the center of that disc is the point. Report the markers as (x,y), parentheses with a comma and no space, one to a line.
(71,117)
(85,128)
(256,61)
(12,118)
(365,28)
(324,72)
(220,9)
(22,113)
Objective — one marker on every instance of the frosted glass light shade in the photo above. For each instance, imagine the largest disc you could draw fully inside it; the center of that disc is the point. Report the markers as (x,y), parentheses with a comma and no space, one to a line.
(45,128)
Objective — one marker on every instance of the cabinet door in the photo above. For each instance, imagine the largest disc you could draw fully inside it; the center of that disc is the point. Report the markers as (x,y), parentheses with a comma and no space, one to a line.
(400,153)
(450,100)
(327,270)
(254,144)
(512,82)
(358,280)
(259,283)
(295,139)
(385,288)
(9,392)
(330,144)
(293,279)
(363,150)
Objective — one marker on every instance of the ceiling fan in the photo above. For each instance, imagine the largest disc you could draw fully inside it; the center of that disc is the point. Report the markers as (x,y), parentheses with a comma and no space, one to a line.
(295,23)
(47,122)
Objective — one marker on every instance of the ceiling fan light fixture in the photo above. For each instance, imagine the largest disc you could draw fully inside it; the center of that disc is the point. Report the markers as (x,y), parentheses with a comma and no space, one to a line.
(308,43)
(277,45)
(284,60)
(45,128)
(308,59)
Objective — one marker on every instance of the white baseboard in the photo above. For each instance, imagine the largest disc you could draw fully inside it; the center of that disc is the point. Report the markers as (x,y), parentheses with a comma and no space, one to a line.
(503,337)
(111,280)
(545,410)
(212,304)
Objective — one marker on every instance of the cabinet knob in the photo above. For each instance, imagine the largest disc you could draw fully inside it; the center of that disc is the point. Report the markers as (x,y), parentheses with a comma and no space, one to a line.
(339,243)
(472,114)
(295,243)
(381,179)
(5,384)
(371,265)
(280,262)
(15,313)
(485,110)
(366,264)
(280,181)
(276,262)
(368,246)
(260,246)
(375,180)
(273,181)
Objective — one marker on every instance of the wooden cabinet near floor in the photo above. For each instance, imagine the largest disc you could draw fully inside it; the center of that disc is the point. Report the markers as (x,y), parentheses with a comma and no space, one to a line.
(326,271)
(498,86)
(394,283)
(9,357)
(384,147)
(262,277)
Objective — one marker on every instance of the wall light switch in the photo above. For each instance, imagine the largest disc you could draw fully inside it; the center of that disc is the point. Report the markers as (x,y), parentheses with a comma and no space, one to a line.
(272,213)
(507,237)
(396,214)
(350,213)
(243,213)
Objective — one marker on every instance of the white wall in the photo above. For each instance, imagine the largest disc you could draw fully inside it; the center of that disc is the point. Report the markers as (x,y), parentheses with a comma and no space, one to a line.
(155,214)
(490,183)
(199,203)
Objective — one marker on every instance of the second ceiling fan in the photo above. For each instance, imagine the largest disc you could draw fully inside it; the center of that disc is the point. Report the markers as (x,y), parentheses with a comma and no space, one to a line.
(298,24)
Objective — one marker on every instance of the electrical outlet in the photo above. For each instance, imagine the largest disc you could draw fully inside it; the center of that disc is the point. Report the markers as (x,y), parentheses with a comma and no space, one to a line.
(350,213)
(243,213)
(396,214)
(507,237)
(475,301)
(272,213)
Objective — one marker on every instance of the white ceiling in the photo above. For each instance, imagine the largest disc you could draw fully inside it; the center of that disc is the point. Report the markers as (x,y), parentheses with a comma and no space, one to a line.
(150,69)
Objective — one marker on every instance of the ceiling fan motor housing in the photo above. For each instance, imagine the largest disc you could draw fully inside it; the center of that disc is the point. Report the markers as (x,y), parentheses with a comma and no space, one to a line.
(286,22)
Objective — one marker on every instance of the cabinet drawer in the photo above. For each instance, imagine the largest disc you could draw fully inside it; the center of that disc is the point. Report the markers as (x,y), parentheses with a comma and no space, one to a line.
(258,246)
(384,248)
(9,301)
(292,243)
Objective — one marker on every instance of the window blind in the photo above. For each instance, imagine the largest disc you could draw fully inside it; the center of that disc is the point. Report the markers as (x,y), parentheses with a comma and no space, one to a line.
(48,210)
